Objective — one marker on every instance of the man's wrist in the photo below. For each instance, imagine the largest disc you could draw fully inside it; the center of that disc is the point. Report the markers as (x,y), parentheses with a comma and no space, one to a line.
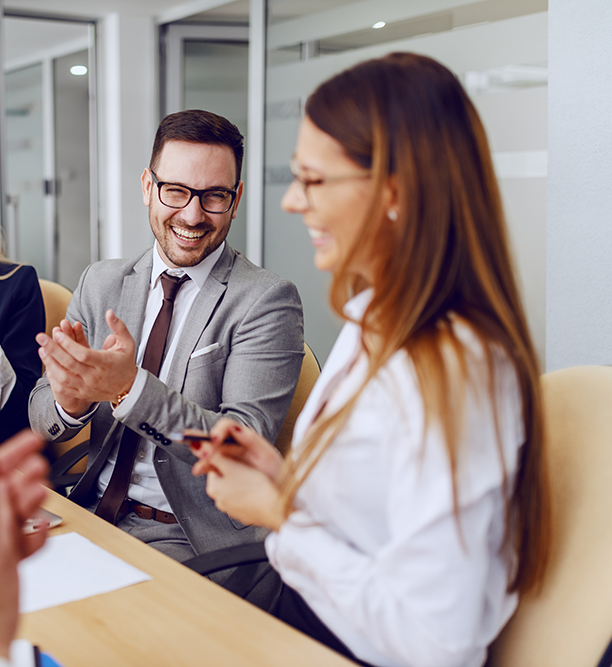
(80,412)
(77,422)
(131,398)
(120,398)
(123,393)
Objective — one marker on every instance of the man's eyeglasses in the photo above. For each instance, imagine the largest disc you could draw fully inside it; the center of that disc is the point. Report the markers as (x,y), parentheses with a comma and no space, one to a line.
(212,200)
(306,183)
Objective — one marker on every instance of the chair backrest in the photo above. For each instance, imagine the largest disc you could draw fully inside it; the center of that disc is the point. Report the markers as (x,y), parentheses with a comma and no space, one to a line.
(56,298)
(569,623)
(308,376)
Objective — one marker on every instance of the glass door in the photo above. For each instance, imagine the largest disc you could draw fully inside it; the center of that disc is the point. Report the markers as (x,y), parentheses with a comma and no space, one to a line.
(27,231)
(51,219)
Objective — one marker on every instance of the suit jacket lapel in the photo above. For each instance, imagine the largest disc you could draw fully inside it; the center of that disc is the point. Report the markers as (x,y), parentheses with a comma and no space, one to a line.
(134,296)
(201,311)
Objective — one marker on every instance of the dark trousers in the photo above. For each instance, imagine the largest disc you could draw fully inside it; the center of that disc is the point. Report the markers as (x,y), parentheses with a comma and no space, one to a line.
(293,610)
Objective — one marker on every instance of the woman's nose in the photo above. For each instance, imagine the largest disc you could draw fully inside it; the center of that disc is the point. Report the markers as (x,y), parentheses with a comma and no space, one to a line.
(295,200)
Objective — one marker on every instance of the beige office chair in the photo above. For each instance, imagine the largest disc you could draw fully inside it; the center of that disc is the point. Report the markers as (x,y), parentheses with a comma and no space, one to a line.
(308,376)
(569,624)
(56,298)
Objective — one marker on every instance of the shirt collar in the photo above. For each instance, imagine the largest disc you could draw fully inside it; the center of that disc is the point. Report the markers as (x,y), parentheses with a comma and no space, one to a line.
(198,273)
(356,307)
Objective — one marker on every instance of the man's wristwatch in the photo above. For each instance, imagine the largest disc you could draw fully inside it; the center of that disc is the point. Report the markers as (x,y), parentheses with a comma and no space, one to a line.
(117,402)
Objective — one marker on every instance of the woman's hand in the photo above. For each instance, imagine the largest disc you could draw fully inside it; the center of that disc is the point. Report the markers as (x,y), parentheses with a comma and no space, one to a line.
(243,492)
(9,557)
(24,470)
(242,476)
(14,546)
(252,450)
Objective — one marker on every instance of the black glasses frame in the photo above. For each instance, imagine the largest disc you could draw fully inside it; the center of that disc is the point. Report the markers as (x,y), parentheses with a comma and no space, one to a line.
(194,193)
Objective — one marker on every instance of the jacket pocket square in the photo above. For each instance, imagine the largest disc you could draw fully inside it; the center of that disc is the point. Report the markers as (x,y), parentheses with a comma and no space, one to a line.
(205,350)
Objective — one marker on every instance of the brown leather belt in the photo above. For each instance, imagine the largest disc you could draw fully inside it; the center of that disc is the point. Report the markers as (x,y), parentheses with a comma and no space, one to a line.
(146,512)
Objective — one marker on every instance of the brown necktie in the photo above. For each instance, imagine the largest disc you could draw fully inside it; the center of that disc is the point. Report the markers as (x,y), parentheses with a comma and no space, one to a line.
(117,488)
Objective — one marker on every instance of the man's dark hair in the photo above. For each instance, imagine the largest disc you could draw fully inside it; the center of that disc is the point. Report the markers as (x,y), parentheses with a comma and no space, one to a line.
(198,127)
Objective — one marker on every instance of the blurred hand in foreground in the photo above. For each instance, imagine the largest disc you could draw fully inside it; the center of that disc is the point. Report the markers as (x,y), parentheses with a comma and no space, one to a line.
(22,475)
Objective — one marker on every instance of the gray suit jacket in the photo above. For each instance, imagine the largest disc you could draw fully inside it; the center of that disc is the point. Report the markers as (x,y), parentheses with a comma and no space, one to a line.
(256,320)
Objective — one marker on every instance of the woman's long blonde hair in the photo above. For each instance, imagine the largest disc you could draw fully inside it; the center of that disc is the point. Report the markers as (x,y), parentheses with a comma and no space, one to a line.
(407,116)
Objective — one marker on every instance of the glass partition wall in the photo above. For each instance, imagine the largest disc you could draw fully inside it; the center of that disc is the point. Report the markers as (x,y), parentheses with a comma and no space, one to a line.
(27,232)
(499,51)
(51,219)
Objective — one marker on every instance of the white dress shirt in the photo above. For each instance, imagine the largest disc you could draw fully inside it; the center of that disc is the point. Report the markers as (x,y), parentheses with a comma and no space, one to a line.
(144,486)
(374,546)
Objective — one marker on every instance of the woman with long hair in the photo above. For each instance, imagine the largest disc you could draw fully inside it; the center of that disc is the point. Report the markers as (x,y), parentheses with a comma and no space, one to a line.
(413,507)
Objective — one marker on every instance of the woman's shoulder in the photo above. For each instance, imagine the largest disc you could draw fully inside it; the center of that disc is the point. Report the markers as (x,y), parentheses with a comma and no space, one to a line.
(8,269)
(20,294)
(476,349)
(397,382)
(18,275)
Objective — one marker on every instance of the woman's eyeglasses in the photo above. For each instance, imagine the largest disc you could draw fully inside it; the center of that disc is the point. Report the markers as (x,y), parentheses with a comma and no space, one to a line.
(306,183)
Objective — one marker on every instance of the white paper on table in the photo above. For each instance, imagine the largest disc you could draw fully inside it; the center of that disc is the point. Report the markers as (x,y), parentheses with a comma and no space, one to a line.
(70,567)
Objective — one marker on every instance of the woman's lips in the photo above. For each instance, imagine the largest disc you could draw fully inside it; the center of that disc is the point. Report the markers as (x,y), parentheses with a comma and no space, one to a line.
(318,236)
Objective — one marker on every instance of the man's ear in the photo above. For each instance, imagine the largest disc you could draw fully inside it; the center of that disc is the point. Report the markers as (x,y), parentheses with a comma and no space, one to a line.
(147,184)
(239,190)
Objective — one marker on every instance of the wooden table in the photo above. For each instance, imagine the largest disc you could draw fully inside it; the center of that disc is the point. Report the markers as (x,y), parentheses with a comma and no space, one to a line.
(177,618)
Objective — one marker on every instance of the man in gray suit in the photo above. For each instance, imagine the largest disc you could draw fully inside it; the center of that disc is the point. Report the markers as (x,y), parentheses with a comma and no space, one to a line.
(233,348)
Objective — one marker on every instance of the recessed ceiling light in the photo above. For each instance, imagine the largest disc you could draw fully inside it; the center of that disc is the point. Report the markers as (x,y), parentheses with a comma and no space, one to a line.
(380,24)
(78,70)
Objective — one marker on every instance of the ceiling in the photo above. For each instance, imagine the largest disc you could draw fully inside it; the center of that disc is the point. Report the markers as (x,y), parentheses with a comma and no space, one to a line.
(467,14)
(92,8)
(25,37)
(237,10)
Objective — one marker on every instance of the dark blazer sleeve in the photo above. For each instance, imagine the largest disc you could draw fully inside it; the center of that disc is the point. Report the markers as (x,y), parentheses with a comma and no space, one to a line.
(22,316)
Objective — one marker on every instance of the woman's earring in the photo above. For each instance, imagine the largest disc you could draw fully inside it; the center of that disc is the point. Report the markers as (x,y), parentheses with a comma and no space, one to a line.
(392,215)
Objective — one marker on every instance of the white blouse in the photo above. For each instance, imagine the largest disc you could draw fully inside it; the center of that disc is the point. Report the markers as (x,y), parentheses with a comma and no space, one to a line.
(374,546)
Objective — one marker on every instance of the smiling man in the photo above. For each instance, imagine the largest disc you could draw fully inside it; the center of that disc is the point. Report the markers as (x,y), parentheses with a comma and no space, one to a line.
(186,333)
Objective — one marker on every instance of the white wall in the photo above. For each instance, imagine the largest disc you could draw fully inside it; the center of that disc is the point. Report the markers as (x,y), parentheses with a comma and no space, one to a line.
(516,125)
(579,237)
